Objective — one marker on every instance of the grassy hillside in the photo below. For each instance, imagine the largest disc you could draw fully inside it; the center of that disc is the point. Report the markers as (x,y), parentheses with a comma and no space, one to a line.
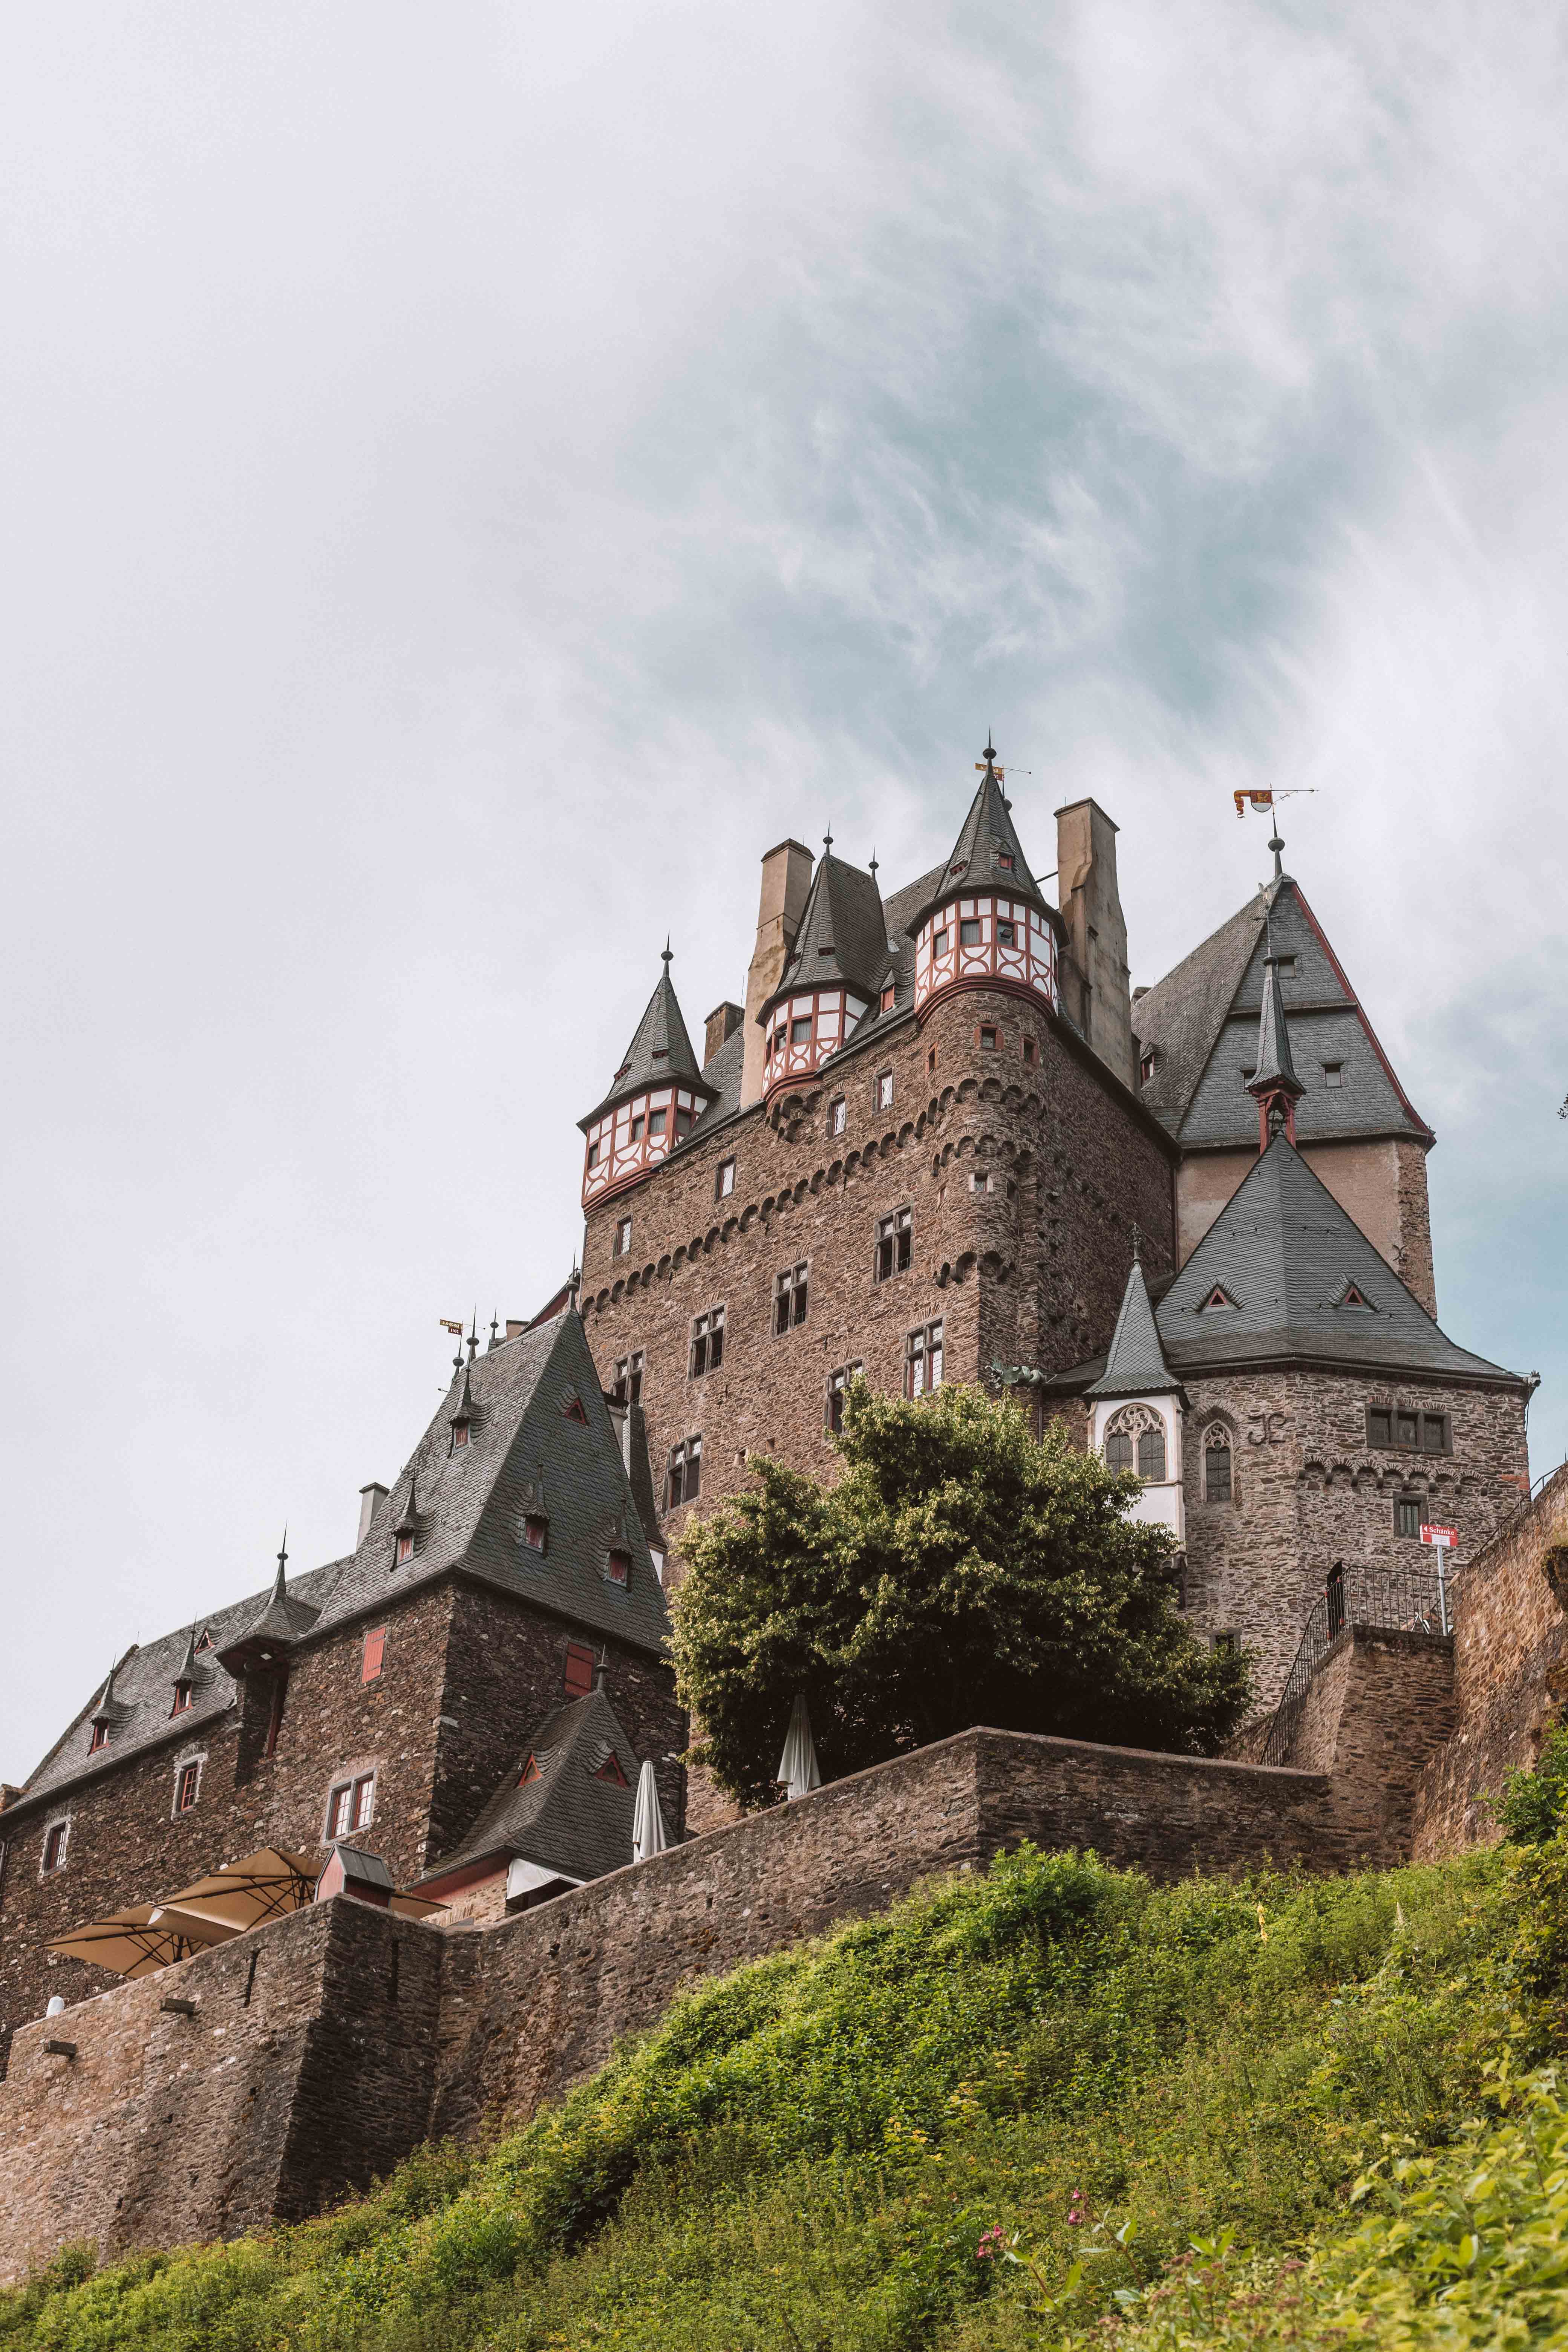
(989,2119)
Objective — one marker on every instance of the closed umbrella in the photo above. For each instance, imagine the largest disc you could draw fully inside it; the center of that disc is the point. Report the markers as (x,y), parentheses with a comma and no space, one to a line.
(139,1940)
(797,1766)
(264,1886)
(649,1835)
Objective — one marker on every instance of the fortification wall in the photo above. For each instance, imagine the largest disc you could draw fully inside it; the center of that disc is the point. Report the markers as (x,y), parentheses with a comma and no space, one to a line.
(1511,1675)
(324,2047)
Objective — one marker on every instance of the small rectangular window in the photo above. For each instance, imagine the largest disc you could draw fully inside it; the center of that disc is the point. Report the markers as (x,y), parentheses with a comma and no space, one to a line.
(1435,1433)
(800,1030)
(1029,1049)
(623,1237)
(1333,1074)
(592,1155)
(682,1123)
(969,932)
(939,942)
(1406,1429)
(638,1123)
(627,1389)
(922,1361)
(1146,1068)
(988,1037)
(684,1477)
(707,1343)
(1004,860)
(889,995)
(790,1296)
(1225,1645)
(1379,1427)
(895,1244)
(837,1391)
(980,1180)
(885,1091)
(187,1786)
(55,1846)
(1407,1517)
(579,1670)
(1286,963)
(724,1180)
(657,1121)
(338,1806)
(618,1566)
(275,1719)
(363,1810)
(375,1652)
(837,1115)
(402,1548)
(535,1530)
(182,1698)
(100,1738)
(931,1061)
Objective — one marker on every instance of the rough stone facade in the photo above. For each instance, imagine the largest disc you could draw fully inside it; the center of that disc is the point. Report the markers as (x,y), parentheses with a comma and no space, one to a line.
(1307,1490)
(465,1675)
(319,2050)
(1030,1269)
(1510,1672)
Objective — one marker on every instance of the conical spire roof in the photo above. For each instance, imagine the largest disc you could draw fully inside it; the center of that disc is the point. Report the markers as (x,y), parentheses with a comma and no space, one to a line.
(1276,1072)
(661,1051)
(108,1708)
(1136,1365)
(986,836)
(843,936)
(280,1623)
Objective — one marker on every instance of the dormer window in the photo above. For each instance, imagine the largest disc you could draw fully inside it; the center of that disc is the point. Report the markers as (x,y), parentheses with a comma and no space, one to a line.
(528,1772)
(535,1530)
(1004,860)
(459,1435)
(889,996)
(1218,1296)
(403,1549)
(99,1739)
(182,1698)
(1146,1066)
(610,1770)
(619,1567)
(1352,1297)
(205,1640)
(958,866)
(572,1410)
(661,1053)
(1333,1074)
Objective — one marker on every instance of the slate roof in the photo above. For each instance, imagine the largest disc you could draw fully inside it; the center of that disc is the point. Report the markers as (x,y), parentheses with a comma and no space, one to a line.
(986,832)
(1282,1248)
(566,1820)
(1202,1021)
(1136,1364)
(1275,1067)
(661,1051)
(843,934)
(472,1502)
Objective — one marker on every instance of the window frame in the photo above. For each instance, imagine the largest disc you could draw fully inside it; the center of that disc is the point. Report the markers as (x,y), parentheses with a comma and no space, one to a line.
(1217,1441)
(1031,1050)
(839,1383)
(792,1298)
(1408,1507)
(187,1775)
(1333,1074)
(621,1552)
(683,1471)
(991,1030)
(374,1646)
(895,1239)
(705,1348)
(884,1090)
(53,1858)
(627,1388)
(621,1240)
(724,1179)
(969,929)
(923,1347)
(837,1116)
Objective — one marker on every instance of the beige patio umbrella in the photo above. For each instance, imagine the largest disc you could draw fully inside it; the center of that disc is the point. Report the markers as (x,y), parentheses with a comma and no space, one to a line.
(139,1940)
(264,1886)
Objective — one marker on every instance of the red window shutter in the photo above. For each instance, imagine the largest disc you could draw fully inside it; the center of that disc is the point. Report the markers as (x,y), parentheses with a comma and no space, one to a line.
(579,1670)
(375,1649)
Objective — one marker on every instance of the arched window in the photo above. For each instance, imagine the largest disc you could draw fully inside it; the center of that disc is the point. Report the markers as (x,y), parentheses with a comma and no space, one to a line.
(1135,1427)
(1218,1486)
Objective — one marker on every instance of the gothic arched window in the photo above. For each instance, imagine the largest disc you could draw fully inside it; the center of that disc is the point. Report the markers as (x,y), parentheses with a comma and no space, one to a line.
(1218,1485)
(1136,1428)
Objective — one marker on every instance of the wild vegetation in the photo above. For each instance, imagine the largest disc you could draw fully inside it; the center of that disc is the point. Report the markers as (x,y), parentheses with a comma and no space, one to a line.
(959,1571)
(1019,2109)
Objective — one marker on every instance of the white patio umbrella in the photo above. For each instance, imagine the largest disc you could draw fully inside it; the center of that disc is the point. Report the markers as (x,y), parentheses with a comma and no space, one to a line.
(797,1766)
(649,1835)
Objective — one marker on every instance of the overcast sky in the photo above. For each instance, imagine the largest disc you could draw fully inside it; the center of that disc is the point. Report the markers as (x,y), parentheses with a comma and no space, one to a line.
(475,477)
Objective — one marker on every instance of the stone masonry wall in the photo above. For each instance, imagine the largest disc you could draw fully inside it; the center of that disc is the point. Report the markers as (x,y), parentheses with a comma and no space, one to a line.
(1031,1269)
(1511,1675)
(1307,1490)
(322,2048)
(466,1675)
(304,2070)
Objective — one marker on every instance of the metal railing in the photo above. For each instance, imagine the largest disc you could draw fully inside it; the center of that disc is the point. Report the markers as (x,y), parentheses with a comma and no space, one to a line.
(1402,1600)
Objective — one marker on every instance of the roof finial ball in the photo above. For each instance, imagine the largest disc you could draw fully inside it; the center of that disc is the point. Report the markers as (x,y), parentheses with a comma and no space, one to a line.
(1278,846)
(827,841)
(667,954)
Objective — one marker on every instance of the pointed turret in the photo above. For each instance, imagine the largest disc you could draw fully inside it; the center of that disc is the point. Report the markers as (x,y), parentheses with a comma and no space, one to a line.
(833,975)
(986,924)
(655,1095)
(274,1632)
(109,1712)
(1274,1086)
(1136,1411)
(1136,1365)
(461,1419)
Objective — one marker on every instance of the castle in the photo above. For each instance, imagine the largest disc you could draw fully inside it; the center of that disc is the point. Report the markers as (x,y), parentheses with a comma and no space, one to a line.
(940,1142)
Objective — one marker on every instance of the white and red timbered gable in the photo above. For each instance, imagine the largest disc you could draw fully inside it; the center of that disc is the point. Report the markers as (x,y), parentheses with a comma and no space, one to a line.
(635,1136)
(1000,942)
(803,1030)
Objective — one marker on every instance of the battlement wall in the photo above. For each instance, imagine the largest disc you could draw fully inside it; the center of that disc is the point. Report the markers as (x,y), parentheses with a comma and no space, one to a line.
(321,2049)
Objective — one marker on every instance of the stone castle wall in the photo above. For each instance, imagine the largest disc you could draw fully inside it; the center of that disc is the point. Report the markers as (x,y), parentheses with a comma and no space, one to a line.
(1032,1269)
(467,1677)
(1510,1674)
(324,2047)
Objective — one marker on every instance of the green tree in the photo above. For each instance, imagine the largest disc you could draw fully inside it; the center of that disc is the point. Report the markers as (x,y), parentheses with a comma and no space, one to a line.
(961,1571)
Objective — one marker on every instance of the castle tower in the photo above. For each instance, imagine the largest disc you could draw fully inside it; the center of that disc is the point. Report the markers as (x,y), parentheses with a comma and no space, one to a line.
(835,974)
(653,1097)
(986,924)
(1136,1412)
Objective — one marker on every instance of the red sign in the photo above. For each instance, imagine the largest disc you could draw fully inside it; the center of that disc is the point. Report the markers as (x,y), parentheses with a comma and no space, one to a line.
(1444,1537)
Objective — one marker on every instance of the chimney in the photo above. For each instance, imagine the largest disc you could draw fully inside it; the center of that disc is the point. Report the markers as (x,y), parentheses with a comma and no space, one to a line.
(722,1022)
(1096,930)
(371,1499)
(786,879)
(514,1331)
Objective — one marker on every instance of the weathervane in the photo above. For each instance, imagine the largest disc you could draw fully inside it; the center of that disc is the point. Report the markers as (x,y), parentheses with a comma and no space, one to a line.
(1266,798)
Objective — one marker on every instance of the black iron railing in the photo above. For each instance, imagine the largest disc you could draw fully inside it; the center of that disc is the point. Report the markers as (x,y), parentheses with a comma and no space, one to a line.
(1408,1599)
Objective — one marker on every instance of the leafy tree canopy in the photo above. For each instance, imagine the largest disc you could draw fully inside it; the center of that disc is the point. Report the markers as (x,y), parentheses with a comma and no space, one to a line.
(961,1571)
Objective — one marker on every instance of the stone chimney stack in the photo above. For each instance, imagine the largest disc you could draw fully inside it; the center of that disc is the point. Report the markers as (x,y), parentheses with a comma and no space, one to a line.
(1096,930)
(786,879)
(371,1499)
(722,1022)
